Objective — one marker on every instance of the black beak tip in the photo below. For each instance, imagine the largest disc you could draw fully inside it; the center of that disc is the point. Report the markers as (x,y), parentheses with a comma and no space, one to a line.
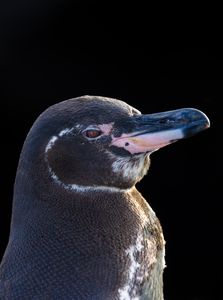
(197,121)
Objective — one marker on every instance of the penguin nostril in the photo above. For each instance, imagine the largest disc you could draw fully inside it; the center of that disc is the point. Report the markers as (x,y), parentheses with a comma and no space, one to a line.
(166,121)
(162,121)
(183,120)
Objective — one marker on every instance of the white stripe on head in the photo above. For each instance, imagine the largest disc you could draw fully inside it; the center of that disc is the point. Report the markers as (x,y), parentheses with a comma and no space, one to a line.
(54,138)
(65,131)
(85,188)
(51,143)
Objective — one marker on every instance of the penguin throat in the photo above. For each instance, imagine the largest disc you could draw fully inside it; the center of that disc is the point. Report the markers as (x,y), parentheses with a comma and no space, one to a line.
(132,168)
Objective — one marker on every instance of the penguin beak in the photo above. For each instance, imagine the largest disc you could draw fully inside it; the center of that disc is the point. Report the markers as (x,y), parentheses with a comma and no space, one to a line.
(154,131)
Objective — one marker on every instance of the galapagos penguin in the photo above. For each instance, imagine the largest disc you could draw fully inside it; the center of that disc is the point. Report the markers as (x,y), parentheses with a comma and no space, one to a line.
(80,229)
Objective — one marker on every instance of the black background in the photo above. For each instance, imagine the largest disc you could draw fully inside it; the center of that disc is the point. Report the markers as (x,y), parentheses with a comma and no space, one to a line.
(154,58)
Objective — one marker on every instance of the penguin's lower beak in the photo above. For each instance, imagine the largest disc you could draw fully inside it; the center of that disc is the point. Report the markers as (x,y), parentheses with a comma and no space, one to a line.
(153,131)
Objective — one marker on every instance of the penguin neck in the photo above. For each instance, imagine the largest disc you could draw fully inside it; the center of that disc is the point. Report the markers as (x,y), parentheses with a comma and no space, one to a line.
(36,191)
(32,192)
(68,212)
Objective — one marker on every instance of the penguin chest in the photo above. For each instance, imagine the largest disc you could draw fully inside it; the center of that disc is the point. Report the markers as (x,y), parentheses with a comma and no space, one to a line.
(144,256)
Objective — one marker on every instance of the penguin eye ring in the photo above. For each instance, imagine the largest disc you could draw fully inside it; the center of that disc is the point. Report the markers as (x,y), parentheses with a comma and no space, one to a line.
(92,133)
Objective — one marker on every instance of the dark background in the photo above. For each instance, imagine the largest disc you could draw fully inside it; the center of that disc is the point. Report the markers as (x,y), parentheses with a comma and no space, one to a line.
(154,58)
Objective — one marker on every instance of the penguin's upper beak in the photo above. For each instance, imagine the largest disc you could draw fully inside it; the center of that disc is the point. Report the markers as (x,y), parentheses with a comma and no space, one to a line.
(153,131)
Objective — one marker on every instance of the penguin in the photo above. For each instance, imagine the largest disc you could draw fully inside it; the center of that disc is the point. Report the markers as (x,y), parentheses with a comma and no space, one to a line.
(80,229)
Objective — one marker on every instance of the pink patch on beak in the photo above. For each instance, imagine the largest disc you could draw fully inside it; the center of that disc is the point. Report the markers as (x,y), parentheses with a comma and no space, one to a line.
(146,142)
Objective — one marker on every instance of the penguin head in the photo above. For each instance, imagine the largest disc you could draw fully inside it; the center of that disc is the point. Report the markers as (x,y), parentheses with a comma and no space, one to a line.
(97,142)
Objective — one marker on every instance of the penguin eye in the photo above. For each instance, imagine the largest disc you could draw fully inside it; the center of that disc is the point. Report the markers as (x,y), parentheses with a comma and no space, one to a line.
(92,133)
